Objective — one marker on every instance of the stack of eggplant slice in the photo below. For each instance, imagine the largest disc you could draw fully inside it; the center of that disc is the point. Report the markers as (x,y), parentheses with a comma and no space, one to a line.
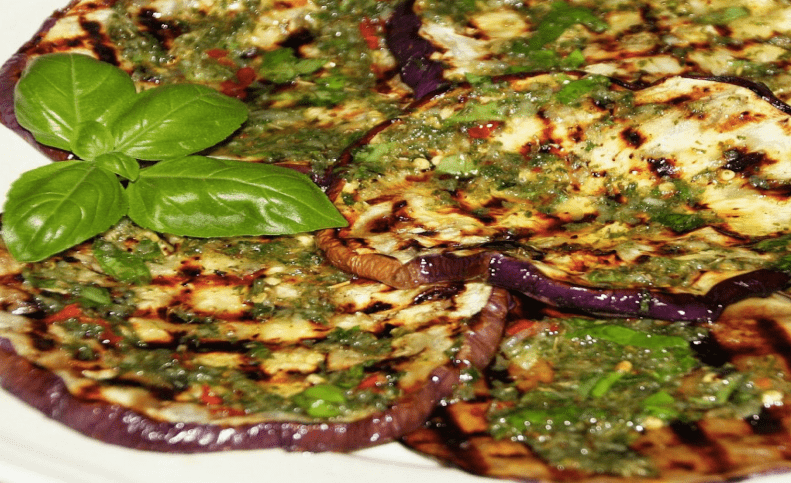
(606,207)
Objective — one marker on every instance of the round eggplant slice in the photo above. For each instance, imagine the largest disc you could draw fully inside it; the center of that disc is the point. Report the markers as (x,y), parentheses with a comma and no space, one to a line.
(186,345)
(313,79)
(571,398)
(636,41)
(593,184)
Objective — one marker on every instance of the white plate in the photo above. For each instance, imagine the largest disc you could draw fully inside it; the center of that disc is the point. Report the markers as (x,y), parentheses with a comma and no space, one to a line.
(35,449)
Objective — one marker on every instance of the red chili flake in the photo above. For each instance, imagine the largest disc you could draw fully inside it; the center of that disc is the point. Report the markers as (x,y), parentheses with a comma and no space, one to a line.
(217,53)
(370,30)
(226,62)
(483,130)
(236,87)
(232,89)
(208,396)
(68,312)
(371,381)
(520,326)
(108,335)
(246,76)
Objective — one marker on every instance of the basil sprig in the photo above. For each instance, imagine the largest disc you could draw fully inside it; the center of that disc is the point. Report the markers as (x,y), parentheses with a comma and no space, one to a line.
(79,104)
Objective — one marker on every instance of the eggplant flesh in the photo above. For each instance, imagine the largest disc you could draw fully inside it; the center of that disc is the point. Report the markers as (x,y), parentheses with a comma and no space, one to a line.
(622,195)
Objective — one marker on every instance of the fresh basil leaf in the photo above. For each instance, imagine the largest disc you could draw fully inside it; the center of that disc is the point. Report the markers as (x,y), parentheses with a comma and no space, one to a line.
(176,120)
(91,139)
(121,164)
(206,197)
(58,92)
(120,264)
(57,206)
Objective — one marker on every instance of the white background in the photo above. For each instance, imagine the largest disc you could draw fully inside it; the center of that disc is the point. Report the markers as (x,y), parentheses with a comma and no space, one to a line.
(34,449)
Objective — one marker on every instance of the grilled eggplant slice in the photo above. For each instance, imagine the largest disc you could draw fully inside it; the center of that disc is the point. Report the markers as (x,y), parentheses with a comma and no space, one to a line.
(572,398)
(203,345)
(642,41)
(586,181)
(311,78)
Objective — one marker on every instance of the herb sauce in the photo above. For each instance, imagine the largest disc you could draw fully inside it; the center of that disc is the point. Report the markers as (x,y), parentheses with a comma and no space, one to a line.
(603,383)
(314,79)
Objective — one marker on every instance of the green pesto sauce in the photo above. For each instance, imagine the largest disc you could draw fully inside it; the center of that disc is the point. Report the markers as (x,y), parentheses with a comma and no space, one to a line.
(105,332)
(612,380)
(339,74)
(482,170)
(560,31)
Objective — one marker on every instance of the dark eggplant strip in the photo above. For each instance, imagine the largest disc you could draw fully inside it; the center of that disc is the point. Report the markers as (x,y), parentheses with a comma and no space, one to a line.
(524,277)
(413,52)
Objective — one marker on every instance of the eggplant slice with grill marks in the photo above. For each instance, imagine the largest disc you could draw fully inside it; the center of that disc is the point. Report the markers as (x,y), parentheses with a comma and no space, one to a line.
(234,344)
(312,79)
(638,40)
(573,398)
(578,190)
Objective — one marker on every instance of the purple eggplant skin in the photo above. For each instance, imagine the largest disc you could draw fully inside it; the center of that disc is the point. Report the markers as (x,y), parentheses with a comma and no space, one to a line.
(413,53)
(527,279)
(126,427)
(524,277)
(10,72)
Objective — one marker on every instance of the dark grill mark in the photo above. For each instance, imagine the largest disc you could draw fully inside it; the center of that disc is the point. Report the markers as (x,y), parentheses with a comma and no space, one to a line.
(102,51)
(162,393)
(691,434)
(452,435)
(633,138)
(710,352)
(577,134)
(397,214)
(494,202)
(776,337)
(380,225)
(662,166)
(297,40)
(483,216)
(443,292)
(766,422)
(253,372)
(726,32)
(743,162)
(386,331)
(680,100)
(42,343)
(499,375)
(377,307)
(162,31)
(190,272)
